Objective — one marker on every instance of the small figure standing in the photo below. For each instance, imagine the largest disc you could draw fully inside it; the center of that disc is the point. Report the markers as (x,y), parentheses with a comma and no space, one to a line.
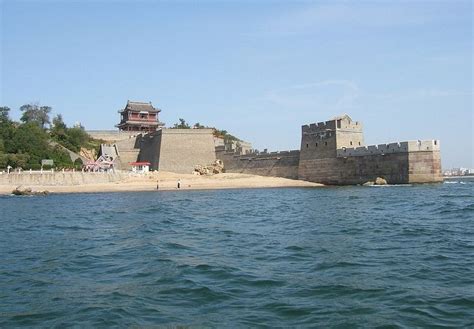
(158,184)
(179,183)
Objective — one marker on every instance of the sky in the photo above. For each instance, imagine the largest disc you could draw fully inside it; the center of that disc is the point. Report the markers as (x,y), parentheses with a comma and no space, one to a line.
(258,69)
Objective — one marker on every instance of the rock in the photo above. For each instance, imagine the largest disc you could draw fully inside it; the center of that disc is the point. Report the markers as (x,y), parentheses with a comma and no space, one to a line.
(216,168)
(380,181)
(28,191)
(369,183)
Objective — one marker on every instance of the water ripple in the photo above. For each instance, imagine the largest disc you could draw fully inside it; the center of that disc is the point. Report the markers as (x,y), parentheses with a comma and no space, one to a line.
(333,257)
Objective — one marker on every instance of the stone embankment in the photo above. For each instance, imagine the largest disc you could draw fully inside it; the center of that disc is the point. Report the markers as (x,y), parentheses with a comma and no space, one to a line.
(47,178)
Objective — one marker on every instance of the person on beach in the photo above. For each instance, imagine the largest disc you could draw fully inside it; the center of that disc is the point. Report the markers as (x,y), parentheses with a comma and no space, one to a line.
(179,183)
(158,184)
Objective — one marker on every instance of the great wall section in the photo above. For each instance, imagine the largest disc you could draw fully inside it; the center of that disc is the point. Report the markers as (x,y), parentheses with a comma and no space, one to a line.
(331,152)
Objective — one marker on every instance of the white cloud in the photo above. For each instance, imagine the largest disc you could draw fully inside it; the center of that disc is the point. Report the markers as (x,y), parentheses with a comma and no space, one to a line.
(320,17)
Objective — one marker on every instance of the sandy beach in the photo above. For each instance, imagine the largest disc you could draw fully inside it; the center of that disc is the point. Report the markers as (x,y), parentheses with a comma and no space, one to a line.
(168,181)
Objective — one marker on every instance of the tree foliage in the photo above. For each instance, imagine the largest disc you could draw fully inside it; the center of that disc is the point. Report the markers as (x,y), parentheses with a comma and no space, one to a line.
(72,138)
(26,144)
(182,124)
(33,113)
(4,114)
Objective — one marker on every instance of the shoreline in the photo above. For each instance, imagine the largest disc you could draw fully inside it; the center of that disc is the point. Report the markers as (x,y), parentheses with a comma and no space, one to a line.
(167,181)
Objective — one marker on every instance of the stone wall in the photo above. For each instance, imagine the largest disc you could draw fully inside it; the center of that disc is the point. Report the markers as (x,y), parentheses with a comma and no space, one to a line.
(356,170)
(111,135)
(59,178)
(424,166)
(398,163)
(277,164)
(178,150)
(128,151)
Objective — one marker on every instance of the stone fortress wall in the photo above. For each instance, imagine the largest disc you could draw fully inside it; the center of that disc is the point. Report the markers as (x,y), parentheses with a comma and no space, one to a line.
(338,156)
(125,144)
(278,164)
(333,153)
(111,135)
(178,150)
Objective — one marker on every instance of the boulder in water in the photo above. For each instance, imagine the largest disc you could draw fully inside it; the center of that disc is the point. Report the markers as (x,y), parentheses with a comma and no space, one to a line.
(380,181)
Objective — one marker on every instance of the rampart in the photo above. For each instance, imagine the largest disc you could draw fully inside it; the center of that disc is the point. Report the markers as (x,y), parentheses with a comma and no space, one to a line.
(398,163)
(382,149)
(331,152)
(278,164)
(111,135)
(178,150)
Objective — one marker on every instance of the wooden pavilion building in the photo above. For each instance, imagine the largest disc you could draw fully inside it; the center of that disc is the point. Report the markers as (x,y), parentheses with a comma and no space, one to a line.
(139,117)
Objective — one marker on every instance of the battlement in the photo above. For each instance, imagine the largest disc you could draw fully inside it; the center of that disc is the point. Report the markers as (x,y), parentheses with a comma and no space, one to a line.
(343,123)
(382,149)
(256,155)
(266,155)
(319,127)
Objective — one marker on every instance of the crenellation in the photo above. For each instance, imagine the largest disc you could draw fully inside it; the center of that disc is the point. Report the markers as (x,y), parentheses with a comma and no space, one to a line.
(381,149)
(333,152)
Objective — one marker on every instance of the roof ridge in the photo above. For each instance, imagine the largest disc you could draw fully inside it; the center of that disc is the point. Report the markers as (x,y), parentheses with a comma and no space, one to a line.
(139,102)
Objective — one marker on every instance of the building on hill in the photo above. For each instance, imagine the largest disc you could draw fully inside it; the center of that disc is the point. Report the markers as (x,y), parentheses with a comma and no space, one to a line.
(139,117)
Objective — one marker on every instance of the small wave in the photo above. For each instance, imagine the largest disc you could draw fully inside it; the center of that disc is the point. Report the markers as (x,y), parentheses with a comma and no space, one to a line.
(175,245)
(392,185)
(294,248)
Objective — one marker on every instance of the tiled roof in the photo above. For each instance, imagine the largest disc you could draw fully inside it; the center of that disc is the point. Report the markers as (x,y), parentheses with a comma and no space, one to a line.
(141,106)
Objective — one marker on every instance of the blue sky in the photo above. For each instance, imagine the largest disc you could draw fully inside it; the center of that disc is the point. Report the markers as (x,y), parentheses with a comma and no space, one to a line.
(259,69)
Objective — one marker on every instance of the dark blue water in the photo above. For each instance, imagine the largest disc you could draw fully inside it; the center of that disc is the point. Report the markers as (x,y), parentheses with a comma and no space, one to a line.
(326,257)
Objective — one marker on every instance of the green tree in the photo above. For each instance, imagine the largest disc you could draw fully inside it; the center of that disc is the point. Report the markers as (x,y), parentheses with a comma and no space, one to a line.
(4,114)
(31,139)
(58,129)
(197,125)
(71,138)
(182,124)
(7,133)
(77,137)
(36,114)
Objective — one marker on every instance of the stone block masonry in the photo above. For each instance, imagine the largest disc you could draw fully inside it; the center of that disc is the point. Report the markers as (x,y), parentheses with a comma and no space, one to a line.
(333,153)
(178,150)
(278,164)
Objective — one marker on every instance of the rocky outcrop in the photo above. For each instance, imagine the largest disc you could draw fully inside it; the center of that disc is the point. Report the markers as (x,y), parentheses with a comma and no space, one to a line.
(216,168)
(378,181)
(28,191)
(89,154)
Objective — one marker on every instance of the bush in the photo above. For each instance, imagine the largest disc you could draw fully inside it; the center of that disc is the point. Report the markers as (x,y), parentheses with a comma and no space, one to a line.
(33,166)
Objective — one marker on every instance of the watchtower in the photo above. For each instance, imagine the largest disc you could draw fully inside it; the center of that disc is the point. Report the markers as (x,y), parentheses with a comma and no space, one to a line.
(321,140)
(139,117)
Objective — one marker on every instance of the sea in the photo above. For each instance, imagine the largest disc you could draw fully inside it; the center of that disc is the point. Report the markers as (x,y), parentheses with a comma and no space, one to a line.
(332,257)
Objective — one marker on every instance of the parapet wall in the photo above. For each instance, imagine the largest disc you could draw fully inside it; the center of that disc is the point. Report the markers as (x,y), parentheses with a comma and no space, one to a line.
(339,123)
(111,135)
(277,164)
(382,149)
